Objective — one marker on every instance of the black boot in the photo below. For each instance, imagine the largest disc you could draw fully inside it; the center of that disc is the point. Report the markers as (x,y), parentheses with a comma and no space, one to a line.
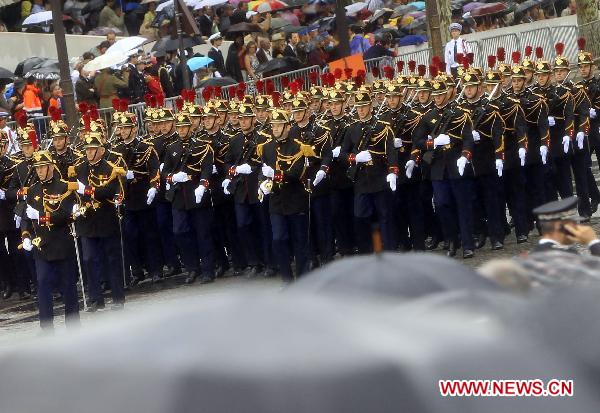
(468,254)
(497,245)
(432,243)
(480,241)
(8,292)
(451,249)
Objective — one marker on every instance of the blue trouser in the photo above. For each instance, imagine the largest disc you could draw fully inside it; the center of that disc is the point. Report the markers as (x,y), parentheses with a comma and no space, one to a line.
(486,207)
(102,256)
(342,201)
(225,236)
(453,199)
(534,189)
(409,214)
(14,269)
(376,206)
(433,228)
(141,239)
(513,194)
(192,228)
(560,179)
(254,228)
(64,274)
(164,219)
(290,232)
(322,227)
(580,162)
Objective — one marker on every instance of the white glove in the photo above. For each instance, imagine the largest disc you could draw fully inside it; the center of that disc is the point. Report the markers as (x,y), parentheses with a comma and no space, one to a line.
(2,194)
(32,213)
(499,167)
(363,156)
(397,143)
(150,195)
(476,136)
(160,168)
(214,169)
(461,163)
(267,171)
(180,177)
(80,188)
(167,186)
(199,193)
(410,165)
(224,185)
(319,177)
(336,151)
(75,211)
(129,175)
(264,189)
(17,222)
(522,154)
(566,140)
(544,153)
(580,138)
(593,113)
(551,121)
(27,245)
(244,169)
(441,140)
(392,179)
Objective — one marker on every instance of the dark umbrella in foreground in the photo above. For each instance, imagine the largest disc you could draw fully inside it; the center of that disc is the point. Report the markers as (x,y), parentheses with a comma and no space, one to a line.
(526,5)
(48,69)
(217,81)
(401,276)
(6,75)
(283,64)
(28,64)
(93,5)
(167,43)
(300,353)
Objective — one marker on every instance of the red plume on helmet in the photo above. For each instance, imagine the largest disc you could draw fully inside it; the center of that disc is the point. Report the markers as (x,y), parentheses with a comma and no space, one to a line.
(86,121)
(217,92)
(312,76)
(242,87)
(179,103)
(276,97)
(285,82)
(421,70)
(412,65)
(192,95)
(21,118)
(359,81)
(300,82)
(269,86)
(471,58)
(560,48)
(55,113)
(491,61)
(516,57)
(400,65)
(160,100)
(435,60)
(260,86)
(240,94)
(337,73)
(123,105)
(460,58)
(116,104)
(294,87)
(466,64)
(93,112)
(83,107)
(501,54)
(388,72)
(433,71)
(528,51)
(231,92)
(324,79)
(375,71)
(539,52)
(207,93)
(581,43)
(33,138)
(348,72)
(331,79)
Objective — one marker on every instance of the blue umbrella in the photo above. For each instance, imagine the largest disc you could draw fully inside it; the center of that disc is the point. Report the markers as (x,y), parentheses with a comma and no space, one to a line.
(196,63)
(419,5)
(412,39)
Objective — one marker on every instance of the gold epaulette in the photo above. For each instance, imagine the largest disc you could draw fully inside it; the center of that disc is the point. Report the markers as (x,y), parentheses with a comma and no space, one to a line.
(71,173)
(265,134)
(259,149)
(305,149)
(385,122)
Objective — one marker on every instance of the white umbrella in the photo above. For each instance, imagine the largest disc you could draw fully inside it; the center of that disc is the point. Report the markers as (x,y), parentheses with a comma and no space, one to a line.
(127,44)
(164,5)
(105,60)
(37,18)
(209,3)
(355,7)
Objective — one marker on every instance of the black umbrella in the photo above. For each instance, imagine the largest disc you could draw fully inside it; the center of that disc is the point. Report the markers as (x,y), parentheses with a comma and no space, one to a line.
(284,64)
(168,43)
(28,64)
(217,81)
(47,69)
(300,353)
(402,276)
(243,28)
(526,5)
(93,5)
(393,32)
(385,13)
(6,74)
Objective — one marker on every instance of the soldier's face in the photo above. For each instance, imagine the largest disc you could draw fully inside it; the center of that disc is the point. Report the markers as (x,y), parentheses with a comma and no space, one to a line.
(246,123)
(27,150)
(439,99)
(150,128)
(59,143)
(489,88)
(363,111)
(528,75)
(543,78)
(315,105)
(585,71)
(44,172)
(222,118)
(506,81)
(471,91)
(166,127)
(209,122)
(423,96)
(380,97)
(233,119)
(517,84)
(278,129)
(561,74)
(93,155)
(183,131)
(393,101)
(126,133)
(195,121)
(299,115)
(336,108)
(262,115)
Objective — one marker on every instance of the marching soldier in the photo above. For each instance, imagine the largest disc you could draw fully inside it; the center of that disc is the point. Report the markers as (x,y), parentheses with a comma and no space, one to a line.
(100,187)
(445,138)
(232,126)
(62,154)
(261,106)
(487,161)
(284,166)
(252,218)
(187,170)
(142,181)
(46,233)
(369,148)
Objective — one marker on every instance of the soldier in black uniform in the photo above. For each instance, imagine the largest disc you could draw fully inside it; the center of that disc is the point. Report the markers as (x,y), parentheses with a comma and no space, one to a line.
(284,161)
(538,139)
(46,232)
(342,191)
(445,138)
(187,170)
(62,154)
(580,156)
(591,83)
(487,161)
(512,188)
(244,165)
(560,122)
(232,125)
(369,148)
(100,186)
(261,106)
(142,181)
(309,131)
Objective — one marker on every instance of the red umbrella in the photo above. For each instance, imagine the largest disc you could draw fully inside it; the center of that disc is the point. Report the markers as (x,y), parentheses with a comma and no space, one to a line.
(490,8)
